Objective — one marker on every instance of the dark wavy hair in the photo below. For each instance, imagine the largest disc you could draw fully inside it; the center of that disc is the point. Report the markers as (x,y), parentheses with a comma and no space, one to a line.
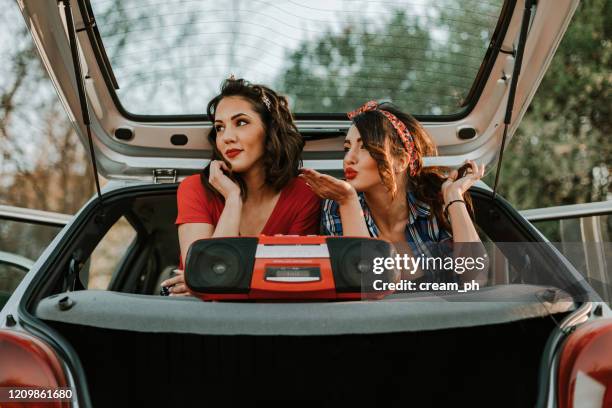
(283,143)
(381,140)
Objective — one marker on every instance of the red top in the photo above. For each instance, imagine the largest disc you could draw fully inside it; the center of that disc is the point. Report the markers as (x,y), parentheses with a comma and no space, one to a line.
(297,210)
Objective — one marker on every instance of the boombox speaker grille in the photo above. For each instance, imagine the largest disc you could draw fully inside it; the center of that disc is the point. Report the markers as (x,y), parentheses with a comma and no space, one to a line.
(221,265)
(352,261)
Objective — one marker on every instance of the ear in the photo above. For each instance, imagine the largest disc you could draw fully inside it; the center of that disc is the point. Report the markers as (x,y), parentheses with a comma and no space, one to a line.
(400,164)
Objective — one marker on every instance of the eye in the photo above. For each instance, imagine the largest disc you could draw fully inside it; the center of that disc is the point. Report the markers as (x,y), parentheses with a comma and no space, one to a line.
(241,122)
(346,149)
(219,128)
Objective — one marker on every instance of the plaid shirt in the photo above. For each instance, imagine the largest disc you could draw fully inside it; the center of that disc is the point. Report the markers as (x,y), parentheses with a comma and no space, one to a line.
(423,234)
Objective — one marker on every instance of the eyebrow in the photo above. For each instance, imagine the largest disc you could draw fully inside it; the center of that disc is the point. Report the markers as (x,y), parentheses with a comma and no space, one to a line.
(233,117)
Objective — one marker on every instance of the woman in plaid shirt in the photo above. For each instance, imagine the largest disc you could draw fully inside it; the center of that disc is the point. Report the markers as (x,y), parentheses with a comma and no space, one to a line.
(390,195)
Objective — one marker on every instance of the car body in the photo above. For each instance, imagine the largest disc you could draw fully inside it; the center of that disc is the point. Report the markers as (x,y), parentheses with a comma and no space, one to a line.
(16,267)
(29,231)
(501,346)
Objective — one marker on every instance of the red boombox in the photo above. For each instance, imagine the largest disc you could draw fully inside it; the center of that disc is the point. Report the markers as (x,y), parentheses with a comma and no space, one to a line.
(284,268)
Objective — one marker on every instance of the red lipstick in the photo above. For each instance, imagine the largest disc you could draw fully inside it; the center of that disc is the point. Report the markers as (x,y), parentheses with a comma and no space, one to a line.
(350,173)
(231,153)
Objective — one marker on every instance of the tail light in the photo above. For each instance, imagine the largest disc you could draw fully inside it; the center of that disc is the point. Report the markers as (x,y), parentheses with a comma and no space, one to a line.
(585,366)
(28,362)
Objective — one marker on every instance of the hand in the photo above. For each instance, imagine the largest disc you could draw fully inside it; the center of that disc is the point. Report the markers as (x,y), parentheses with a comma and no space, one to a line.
(220,181)
(176,285)
(453,188)
(328,187)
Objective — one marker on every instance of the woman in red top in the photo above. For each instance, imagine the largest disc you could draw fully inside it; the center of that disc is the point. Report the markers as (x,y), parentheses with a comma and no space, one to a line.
(250,186)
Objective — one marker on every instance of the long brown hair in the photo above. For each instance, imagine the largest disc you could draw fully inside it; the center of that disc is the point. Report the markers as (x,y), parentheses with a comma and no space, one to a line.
(283,143)
(383,143)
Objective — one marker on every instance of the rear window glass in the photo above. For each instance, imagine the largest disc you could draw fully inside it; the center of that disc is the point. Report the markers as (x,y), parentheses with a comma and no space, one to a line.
(328,56)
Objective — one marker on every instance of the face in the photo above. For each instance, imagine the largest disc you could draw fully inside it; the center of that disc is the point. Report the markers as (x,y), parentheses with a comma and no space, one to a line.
(360,168)
(240,133)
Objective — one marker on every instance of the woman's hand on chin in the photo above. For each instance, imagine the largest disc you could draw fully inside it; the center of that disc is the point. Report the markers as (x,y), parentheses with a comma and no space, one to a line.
(329,187)
(454,188)
(221,182)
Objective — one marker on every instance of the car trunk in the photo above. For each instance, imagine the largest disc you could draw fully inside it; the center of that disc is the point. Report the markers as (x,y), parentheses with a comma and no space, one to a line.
(471,366)
(134,347)
(154,350)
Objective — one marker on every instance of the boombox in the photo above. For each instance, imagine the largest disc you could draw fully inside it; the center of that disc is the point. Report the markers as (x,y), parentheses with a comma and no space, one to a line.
(284,268)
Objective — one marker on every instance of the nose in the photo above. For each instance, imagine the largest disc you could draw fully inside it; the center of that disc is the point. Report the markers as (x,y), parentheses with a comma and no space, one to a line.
(228,136)
(350,158)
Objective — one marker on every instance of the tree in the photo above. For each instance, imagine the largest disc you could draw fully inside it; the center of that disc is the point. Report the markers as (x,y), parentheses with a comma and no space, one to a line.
(561,153)
(422,58)
(43,163)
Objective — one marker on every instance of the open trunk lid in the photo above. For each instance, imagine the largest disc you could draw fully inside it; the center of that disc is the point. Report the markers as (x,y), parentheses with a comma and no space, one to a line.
(134,146)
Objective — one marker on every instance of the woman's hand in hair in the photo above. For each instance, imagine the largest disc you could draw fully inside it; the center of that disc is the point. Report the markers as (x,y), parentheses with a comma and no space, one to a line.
(221,182)
(454,187)
(329,187)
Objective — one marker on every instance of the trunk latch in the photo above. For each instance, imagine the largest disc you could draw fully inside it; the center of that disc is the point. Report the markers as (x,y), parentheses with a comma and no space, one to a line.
(161,176)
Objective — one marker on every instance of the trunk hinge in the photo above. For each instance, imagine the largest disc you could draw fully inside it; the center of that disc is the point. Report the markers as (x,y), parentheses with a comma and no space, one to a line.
(513,83)
(71,279)
(76,62)
(161,176)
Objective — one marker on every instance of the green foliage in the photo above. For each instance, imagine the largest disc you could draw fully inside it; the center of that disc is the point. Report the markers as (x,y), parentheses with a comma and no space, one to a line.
(562,151)
(424,60)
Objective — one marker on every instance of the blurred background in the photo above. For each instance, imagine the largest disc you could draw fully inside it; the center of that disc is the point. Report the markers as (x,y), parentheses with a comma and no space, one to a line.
(562,153)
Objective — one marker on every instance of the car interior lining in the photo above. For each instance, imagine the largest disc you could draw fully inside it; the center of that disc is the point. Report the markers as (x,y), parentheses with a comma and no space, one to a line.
(131,301)
(151,210)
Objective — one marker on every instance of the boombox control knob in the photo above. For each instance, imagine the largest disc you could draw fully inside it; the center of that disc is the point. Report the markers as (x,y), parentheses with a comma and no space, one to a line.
(219,268)
(363,266)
